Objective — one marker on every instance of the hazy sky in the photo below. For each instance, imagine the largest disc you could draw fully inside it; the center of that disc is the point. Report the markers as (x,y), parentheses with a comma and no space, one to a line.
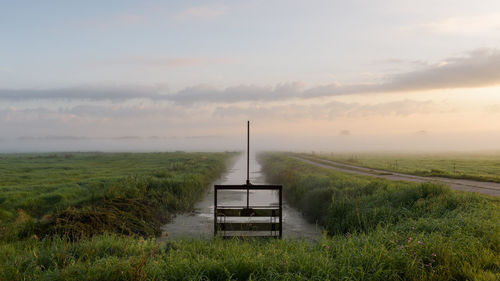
(329,75)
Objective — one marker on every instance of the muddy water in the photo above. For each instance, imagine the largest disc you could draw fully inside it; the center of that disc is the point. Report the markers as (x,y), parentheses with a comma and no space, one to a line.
(199,223)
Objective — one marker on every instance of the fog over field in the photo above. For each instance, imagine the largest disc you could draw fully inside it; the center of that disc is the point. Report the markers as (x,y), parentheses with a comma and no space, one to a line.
(414,143)
(327,75)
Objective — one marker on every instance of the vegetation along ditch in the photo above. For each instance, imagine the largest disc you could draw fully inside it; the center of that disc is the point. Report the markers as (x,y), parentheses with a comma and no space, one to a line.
(375,229)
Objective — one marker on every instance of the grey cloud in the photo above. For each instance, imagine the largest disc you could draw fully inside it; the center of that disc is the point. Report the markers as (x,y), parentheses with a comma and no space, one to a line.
(479,68)
(237,94)
(52,137)
(165,61)
(331,110)
(93,113)
(102,116)
(398,61)
(204,11)
(117,111)
(345,133)
(399,108)
(156,62)
(127,138)
(115,21)
(82,93)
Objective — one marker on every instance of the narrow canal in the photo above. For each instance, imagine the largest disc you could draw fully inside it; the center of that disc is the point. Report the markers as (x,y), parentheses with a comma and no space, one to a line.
(199,223)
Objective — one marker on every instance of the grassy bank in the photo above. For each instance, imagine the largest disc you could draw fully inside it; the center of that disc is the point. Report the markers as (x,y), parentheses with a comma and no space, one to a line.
(82,194)
(376,256)
(462,229)
(474,166)
(377,230)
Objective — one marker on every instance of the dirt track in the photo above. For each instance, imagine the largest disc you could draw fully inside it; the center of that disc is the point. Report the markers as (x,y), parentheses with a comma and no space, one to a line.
(488,188)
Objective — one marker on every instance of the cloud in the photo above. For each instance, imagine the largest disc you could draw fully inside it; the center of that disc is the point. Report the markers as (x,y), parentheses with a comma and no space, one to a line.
(344,133)
(203,12)
(482,24)
(236,94)
(127,138)
(478,68)
(124,112)
(148,14)
(81,113)
(190,95)
(397,108)
(82,93)
(99,119)
(493,108)
(52,137)
(327,111)
(162,62)
(165,62)
(399,61)
(5,70)
(116,21)
(113,114)
(114,111)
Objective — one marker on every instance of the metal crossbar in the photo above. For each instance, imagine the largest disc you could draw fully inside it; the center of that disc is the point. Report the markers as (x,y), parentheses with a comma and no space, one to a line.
(249,187)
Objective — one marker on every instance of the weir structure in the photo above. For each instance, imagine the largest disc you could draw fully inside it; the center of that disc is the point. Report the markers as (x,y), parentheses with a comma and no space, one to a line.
(248,220)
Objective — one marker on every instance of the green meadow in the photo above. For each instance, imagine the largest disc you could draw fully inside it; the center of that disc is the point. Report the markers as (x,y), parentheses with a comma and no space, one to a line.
(82,194)
(482,166)
(374,229)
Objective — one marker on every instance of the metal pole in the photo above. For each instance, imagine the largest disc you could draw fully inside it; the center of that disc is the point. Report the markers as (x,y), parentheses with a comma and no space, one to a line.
(248,164)
(248,152)
(215,211)
(248,198)
(281,211)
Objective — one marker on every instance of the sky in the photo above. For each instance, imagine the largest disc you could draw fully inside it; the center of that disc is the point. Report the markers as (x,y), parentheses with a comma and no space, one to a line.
(310,75)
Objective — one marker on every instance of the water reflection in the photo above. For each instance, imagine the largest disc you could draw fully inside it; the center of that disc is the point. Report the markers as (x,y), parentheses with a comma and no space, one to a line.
(199,224)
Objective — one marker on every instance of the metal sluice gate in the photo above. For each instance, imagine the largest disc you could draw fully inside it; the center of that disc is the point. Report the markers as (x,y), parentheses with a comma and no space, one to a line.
(248,220)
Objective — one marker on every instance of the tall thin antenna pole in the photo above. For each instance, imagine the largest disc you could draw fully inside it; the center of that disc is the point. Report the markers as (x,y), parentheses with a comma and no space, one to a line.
(248,164)
(248,152)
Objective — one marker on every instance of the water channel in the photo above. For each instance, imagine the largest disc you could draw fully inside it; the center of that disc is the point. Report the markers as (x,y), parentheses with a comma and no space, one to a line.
(199,223)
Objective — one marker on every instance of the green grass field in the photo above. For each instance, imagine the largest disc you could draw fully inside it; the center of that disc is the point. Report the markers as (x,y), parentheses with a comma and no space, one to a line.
(459,231)
(39,184)
(475,166)
(376,230)
(83,194)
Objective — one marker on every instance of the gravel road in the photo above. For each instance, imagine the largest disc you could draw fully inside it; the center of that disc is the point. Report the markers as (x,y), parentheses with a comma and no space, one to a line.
(488,188)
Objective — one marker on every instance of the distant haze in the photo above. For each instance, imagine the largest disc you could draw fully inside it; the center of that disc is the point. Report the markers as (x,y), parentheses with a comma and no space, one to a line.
(150,75)
(447,143)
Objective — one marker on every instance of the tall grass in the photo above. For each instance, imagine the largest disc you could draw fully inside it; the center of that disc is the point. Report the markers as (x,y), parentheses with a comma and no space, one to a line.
(463,227)
(377,230)
(40,184)
(130,204)
(379,255)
